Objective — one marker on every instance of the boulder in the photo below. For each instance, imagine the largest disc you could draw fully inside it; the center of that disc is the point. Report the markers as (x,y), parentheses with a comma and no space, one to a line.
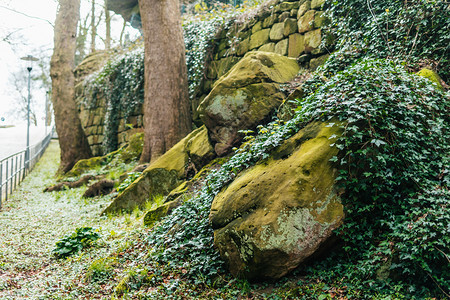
(128,9)
(278,213)
(245,97)
(165,173)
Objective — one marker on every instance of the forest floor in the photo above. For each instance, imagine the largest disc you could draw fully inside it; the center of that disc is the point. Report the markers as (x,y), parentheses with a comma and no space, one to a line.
(31,222)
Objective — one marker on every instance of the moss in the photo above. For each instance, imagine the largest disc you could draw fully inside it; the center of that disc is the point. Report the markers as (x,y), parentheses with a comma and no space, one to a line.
(431,75)
(156,214)
(134,149)
(282,209)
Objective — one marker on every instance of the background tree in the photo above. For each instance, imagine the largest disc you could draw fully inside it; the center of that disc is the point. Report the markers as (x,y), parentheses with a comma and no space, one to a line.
(167,116)
(72,141)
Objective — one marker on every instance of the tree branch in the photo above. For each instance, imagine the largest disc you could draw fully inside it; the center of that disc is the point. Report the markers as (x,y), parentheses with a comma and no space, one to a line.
(28,16)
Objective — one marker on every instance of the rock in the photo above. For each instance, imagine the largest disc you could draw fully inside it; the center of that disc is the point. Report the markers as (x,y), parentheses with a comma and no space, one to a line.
(316,62)
(154,215)
(165,173)
(277,214)
(245,97)
(296,45)
(259,38)
(128,9)
(134,148)
(313,40)
(277,32)
(317,3)
(306,22)
(303,8)
(257,27)
(269,21)
(284,16)
(431,75)
(290,26)
(243,47)
(270,47)
(282,47)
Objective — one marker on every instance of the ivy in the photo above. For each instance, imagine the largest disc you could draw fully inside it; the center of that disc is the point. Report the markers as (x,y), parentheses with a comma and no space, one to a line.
(121,83)
(416,31)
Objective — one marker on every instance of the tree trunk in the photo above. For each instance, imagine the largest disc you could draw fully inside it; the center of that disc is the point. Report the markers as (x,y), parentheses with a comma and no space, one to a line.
(108,29)
(93,27)
(167,117)
(72,141)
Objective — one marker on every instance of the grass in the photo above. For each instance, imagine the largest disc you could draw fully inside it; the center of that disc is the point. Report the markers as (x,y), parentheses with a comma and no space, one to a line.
(31,222)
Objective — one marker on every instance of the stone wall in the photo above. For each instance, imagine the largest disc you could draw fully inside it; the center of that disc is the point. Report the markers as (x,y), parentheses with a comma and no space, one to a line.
(93,115)
(290,28)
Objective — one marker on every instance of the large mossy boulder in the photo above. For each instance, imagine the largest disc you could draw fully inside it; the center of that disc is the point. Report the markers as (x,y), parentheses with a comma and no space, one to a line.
(245,97)
(278,213)
(167,172)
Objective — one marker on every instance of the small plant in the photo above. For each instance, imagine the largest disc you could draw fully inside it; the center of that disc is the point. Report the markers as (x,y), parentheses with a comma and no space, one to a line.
(83,237)
(100,270)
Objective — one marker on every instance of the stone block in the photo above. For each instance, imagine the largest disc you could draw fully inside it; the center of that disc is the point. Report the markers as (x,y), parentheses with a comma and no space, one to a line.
(296,45)
(306,22)
(270,47)
(269,21)
(284,16)
(303,9)
(277,32)
(282,47)
(313,40)
(317,3)
(289,5)
(290,26)
(257,27)
(243,47)
(293,13)
(259,38)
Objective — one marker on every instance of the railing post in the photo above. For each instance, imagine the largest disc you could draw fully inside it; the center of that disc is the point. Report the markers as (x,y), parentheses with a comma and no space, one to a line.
(6,185)
(1,184)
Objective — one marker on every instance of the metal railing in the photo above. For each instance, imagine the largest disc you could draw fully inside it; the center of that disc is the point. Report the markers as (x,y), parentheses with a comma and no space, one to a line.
(14,168)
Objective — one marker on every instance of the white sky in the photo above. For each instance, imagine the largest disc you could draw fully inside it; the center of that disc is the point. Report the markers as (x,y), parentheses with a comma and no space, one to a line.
(32,34)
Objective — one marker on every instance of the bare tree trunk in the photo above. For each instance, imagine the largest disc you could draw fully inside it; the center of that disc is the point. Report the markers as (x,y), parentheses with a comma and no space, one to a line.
(72,141)
(122,32)
(108,29)
(167,116)
(93,27)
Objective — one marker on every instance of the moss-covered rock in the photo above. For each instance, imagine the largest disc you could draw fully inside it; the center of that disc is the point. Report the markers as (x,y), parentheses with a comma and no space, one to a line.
(277,213)
(306,22)
(259,38)
(245,97)
(155,215)
(431,75)
(134,148)
(277,32)
(270,47)
(165,173)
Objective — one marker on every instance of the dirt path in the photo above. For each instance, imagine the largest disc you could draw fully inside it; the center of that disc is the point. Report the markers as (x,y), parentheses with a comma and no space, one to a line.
(30,224)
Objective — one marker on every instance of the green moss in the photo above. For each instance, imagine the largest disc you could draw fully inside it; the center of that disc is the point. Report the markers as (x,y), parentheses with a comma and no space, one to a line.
(431,75)
(134,149)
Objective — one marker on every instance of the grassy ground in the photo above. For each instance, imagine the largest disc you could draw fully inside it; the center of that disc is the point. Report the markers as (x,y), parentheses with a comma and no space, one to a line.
(32,221)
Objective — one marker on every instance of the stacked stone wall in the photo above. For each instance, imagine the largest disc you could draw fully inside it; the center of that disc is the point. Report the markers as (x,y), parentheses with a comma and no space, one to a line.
(289,28)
